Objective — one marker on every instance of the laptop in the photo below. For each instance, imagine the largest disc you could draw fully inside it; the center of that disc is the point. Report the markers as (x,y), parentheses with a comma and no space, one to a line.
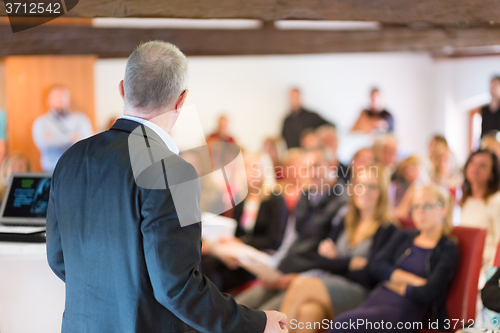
(26,200)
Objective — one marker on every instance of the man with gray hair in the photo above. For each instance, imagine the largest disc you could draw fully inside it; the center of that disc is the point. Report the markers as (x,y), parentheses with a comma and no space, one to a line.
(114,235)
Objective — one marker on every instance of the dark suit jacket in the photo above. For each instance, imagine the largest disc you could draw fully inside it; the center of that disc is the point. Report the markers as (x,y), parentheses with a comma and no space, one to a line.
(269,226)
(312,223)
(127,263)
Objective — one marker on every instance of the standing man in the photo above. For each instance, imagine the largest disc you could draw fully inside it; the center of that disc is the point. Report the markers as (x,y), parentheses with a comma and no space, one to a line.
(298,120)
(58,129)
(222,133)
(491,113)
(375,117)
(128,264)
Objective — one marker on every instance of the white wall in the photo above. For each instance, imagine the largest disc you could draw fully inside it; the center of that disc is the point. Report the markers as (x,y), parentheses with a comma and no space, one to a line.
(253,91)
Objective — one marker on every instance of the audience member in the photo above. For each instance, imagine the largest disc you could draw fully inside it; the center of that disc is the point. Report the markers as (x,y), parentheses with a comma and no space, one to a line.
(11,164)
(313,219)
(447,173)
(58,129)
(298,120)
(375,118)
(437,144)
(309,139)
(272,153)
(222,133)
(386,153)
(480,201)
(416,269)
(489,113)
(411,174)
(328,137)
(261,221)
(342,281)
(293,178)
(361,161)
(490,141)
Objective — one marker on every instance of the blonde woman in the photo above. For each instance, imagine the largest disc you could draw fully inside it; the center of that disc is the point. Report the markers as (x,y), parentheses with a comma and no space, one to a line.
(415,269)
(411,173)
(342,280)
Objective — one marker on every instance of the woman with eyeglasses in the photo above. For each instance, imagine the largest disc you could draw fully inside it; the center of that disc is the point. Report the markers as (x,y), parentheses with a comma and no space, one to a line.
(341,281)
(415,269)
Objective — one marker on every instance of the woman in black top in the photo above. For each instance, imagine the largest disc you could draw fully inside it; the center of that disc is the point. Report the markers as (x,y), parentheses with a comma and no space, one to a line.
(342,280)
(416,269)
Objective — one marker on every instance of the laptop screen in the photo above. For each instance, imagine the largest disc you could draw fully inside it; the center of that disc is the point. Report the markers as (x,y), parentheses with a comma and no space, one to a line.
(28,197)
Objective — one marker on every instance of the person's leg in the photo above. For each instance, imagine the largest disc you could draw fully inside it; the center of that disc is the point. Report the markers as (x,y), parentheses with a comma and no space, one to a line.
(311,293)
(255,297)
(312,314)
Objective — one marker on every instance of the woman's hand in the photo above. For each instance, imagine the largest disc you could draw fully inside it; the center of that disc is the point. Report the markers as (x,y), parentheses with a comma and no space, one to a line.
(206,247)
(327,249)
(357,263)
(403,276)
(397,287)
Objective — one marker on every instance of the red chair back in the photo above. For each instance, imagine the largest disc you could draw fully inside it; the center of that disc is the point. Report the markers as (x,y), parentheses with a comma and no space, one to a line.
(406,223)
(496,262)
(461,302)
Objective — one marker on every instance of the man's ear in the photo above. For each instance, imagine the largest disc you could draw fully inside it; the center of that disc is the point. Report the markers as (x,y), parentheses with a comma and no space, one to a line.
(180,101)
(121,89)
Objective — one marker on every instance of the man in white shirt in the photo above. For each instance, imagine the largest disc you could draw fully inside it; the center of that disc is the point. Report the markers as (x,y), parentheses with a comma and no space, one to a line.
(57,130)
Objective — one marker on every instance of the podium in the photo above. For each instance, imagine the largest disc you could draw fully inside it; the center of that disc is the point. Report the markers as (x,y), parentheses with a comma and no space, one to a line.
(31,296)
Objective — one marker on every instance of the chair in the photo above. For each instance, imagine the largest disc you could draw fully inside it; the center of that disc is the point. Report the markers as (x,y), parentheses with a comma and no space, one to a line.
(461,302)
(406,223)
(496,262)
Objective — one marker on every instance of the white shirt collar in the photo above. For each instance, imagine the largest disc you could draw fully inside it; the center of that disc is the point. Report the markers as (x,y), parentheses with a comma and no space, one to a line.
(158,130)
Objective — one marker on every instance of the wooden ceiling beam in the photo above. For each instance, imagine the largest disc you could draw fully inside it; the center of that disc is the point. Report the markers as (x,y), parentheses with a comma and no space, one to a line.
(427,12)
(120,42)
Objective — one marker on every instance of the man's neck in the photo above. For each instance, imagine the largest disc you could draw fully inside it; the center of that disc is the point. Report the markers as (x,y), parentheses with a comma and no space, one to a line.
(163,120)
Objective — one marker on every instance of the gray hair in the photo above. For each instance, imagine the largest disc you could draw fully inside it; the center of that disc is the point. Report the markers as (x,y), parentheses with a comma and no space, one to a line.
(155,76)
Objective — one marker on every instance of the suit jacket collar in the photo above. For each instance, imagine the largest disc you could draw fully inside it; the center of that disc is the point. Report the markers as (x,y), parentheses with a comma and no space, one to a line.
(128,126)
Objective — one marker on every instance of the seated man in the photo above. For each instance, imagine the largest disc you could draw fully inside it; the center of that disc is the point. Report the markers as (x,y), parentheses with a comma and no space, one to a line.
(315,210)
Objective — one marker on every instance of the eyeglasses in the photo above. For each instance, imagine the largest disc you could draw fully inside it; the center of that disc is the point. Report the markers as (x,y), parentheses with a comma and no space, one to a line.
(426,207)
(370,187)
(182,93)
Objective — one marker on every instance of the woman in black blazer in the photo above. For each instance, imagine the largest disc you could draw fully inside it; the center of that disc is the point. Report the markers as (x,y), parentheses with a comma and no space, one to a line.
(415,269)
(261,218)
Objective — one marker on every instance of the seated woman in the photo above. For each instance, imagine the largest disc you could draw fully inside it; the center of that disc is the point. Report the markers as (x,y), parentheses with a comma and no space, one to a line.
(480,202)
(411,174)
(261,221)
(416,269)
(342,281)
